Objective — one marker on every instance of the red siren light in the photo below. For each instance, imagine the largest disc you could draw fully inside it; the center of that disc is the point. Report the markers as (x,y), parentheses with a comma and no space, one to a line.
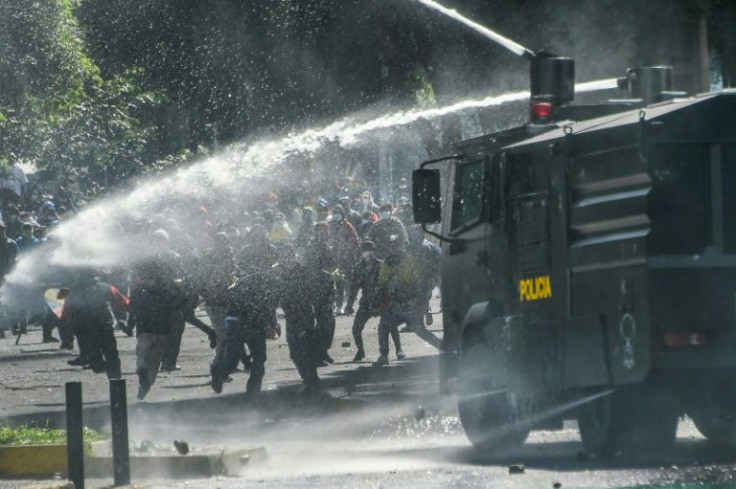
(542,111)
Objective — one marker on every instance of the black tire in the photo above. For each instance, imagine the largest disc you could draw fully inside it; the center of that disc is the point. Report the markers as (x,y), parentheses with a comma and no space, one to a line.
(596,423)
(486,413)
(633,421)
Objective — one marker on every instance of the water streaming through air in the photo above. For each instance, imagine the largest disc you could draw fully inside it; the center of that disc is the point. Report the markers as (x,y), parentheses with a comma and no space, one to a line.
(512,46)
(94,238)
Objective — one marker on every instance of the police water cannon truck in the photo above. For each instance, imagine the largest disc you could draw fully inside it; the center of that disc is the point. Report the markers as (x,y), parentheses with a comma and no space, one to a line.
(589,265)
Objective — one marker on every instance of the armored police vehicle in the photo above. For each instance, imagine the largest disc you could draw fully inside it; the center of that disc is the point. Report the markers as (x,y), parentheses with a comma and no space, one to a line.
(589,265)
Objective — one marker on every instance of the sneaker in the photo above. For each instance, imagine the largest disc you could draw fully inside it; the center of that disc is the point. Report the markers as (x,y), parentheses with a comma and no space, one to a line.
(216,383)
(310,391)
(327,358)
(114,373)
(66,345)
(382,360)
(98,367)
(405,329)
(359,356)
(50,339)
(78,362)
(400,355)
(142,392)
(170,368)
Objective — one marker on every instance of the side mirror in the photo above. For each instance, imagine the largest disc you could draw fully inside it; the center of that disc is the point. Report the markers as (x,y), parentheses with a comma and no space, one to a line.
(425,193)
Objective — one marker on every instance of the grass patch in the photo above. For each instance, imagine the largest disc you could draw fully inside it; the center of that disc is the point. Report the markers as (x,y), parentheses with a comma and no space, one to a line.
(27,435)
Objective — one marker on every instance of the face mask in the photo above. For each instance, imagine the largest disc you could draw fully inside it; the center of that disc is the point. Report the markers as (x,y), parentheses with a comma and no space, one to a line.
(337,217)
(384,215)
(366,255)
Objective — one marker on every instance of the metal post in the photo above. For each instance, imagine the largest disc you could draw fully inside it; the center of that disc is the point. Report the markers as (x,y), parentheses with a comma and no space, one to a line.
(119,416)
(74,434)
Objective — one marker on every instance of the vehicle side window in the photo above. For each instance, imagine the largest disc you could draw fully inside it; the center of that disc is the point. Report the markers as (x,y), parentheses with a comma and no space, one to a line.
(469,195)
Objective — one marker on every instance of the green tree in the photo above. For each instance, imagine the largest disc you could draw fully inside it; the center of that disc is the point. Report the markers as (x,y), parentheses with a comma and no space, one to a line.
(57,110)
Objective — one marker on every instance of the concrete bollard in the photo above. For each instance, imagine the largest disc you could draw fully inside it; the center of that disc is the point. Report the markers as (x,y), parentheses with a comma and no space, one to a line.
(119,417)
(74,434)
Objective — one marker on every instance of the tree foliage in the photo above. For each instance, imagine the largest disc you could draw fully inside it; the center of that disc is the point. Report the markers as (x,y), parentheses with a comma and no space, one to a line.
(56,109)
(107,90)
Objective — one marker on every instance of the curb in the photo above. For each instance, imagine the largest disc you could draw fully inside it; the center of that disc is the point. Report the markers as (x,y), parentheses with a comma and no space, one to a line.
(32,460)
(50,460)
(227,462)
(51,485)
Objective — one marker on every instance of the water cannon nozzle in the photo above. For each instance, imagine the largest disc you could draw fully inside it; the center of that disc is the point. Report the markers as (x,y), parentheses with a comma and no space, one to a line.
(647,83)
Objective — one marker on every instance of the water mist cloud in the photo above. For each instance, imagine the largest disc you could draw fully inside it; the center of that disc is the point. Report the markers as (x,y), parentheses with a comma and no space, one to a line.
(95,237)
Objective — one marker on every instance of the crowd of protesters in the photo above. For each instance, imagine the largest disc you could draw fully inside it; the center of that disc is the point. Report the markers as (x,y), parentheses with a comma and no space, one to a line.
(311,256)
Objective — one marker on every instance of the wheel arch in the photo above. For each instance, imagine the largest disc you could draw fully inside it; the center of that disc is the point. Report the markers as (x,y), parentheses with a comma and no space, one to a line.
(475,322)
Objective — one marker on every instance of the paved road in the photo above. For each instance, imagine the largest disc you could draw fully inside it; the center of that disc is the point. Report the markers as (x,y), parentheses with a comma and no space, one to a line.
(32,374)
(370,433)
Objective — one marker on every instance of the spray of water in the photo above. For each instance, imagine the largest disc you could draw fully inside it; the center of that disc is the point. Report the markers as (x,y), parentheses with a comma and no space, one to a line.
(94,237)
(512,46)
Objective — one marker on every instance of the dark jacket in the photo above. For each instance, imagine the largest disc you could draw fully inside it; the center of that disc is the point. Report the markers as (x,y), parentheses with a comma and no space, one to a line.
(87,305)
(320,264)
(293,297)
(156,307)
(253,300)
(365,278)
(159,295)
(382,231)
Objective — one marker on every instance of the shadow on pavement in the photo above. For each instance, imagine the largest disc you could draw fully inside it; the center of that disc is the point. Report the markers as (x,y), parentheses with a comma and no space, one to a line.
(409,380)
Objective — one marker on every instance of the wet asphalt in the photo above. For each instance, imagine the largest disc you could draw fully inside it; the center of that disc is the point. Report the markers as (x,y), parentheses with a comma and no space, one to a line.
(377,427)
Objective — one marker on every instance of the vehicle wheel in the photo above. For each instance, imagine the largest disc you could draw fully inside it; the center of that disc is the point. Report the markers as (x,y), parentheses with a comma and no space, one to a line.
(596,425)
(633,421)
(486,411)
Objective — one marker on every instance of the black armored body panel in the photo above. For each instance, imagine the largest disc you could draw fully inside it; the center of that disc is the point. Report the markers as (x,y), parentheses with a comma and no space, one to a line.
(589,272)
